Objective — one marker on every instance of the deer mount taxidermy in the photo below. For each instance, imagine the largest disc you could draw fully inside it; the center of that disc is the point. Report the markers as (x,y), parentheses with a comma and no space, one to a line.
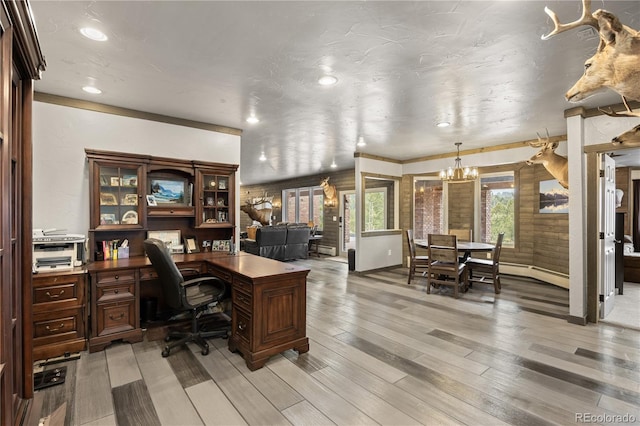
(330,193)
(256,209)
(628,139)
(616,64)
(555,164)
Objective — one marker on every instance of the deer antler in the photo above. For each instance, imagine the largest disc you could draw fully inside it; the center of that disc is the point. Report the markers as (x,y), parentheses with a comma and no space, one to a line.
(540,142)
(586,19)
(629,113)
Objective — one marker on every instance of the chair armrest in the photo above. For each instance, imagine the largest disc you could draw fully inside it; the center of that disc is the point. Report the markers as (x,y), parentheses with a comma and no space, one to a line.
(183,270)
(198,281)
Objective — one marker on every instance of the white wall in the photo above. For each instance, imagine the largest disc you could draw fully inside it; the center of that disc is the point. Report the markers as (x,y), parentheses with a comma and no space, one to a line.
(60,168)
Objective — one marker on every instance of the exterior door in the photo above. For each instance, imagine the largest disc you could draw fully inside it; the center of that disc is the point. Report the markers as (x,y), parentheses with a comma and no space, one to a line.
(347,224)
(607,221)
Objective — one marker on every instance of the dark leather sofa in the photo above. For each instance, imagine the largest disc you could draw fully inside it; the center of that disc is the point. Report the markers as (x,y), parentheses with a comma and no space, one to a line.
(281,242)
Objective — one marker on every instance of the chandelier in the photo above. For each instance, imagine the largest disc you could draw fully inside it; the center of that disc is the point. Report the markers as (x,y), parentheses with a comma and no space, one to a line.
(458,174)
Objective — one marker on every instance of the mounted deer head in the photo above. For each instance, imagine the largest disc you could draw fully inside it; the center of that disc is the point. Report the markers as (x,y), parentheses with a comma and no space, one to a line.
(630,138)
(555,164)
(329,192)
(249,208)
(616,64)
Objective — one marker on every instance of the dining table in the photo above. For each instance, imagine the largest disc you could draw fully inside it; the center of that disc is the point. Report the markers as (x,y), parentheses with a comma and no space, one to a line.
(467,247)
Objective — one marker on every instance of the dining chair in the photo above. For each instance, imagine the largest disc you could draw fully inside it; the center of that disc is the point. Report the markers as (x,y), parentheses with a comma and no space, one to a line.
(444,268)
(463,234)
(416,263)
(489,269)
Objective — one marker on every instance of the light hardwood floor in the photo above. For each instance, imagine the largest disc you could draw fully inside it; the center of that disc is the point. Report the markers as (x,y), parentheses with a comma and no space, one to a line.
(381,352)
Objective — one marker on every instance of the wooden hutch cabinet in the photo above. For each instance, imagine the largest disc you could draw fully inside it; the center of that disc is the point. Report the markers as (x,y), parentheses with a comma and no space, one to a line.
(133,194)
(215,202)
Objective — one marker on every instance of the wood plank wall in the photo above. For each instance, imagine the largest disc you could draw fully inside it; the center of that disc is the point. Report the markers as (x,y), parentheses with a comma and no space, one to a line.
(542,239)
(344,180)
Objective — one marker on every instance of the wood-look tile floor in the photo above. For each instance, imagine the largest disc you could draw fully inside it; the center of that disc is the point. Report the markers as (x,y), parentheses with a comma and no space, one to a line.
(381,352)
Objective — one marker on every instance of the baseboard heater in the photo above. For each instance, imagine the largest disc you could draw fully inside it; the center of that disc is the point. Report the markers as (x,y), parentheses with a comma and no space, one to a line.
(331,251)
(542,274)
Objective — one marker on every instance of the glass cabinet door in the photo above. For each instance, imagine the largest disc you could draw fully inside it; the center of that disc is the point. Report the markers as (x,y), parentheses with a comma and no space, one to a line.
(119,197)
(216,200)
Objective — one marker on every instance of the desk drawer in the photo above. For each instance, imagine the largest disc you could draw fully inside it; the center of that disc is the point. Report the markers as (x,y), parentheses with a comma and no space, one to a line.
(148,273)
(242,285)
(107,293)
(220,273)
(241,322)
(58,326)
(241,299)
(115,277)
(189,269)
(115,317)
(55,293)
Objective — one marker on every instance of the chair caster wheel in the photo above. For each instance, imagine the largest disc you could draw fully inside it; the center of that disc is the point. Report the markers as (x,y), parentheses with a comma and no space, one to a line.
(165,352)
(205,351)
(167,338)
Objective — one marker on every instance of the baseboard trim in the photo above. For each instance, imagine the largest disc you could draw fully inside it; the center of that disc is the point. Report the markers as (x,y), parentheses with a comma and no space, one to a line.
(577,320)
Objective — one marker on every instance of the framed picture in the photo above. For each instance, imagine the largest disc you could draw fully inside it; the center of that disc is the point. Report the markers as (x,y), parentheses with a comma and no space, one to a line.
(169,190)
(553,197)
(130,218)
(191,244)
(130,180)
(108,219)
(220,245)
(222,184)
(108,199)
(130,200)
(151,200)
(170,238)
(115,181)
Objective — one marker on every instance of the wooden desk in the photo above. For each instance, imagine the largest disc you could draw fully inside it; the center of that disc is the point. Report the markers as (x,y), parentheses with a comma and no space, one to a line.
(268,297)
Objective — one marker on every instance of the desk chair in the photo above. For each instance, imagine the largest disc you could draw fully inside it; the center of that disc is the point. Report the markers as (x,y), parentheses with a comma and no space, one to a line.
(416,263)
(193,295)
(462,234)
(444,268)
(488,268)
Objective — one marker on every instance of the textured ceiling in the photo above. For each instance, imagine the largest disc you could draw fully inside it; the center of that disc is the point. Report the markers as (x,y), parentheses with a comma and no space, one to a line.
(402,67)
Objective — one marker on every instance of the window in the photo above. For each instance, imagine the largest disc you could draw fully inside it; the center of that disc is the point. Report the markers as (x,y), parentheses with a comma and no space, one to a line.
(375,205)
(497,212)
(428,208)
(303,205)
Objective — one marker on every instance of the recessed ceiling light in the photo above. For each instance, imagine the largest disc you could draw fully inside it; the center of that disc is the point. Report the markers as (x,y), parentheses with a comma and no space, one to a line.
(93,34)
(262,157)
(327,80)
(333,165)
(92,90)
(361,141)
(253,119)
(443,124)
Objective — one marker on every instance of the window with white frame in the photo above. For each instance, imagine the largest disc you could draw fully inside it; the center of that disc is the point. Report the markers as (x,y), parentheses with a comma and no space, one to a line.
(376,209)
(303,205)
(428,207)
(497,208)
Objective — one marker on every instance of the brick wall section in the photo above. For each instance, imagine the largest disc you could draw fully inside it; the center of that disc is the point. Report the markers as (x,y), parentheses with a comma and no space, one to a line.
(344,180)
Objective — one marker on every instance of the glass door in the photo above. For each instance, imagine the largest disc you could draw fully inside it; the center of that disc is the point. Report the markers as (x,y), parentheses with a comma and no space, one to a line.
(348,211)
(119,197)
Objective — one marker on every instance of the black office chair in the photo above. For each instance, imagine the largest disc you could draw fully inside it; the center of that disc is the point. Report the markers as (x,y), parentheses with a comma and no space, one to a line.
(193,295)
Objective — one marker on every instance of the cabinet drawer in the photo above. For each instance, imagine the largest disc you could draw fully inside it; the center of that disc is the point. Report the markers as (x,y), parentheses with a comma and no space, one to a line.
(148,273)
(107,293)
(242,325)
(55,293)
(58,326)
(115,277)
(115,317)
(220,273)
(242,299)
(242,285)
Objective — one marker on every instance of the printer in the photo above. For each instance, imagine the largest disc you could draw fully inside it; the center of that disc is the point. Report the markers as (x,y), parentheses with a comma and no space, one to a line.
(57,252)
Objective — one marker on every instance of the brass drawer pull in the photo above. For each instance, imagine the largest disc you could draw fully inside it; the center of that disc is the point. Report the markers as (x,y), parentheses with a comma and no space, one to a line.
(116,291)
(242,326)
(111,317)
(242,299)
(116,277)
(53,330)
(55,296)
